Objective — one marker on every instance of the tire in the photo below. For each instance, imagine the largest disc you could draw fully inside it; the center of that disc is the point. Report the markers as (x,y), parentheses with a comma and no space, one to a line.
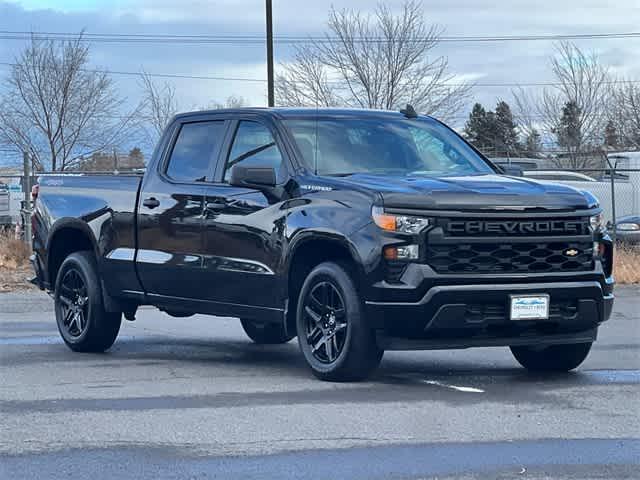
(265,333)
(555,358)
(82,321)
(336,342)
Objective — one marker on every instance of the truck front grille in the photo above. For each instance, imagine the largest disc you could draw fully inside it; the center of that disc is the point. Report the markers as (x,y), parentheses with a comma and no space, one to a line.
(485,257)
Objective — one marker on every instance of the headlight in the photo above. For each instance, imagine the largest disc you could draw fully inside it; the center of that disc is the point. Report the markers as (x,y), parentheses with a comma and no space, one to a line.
(597,222)
(628,227)
(398,223)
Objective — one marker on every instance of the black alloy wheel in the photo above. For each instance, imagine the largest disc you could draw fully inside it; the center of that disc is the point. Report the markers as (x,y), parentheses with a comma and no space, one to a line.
(326,322)
(74,303)
(334,336)
(84,324)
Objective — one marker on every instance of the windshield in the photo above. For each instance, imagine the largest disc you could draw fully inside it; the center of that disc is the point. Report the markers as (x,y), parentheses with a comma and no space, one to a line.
(343,146)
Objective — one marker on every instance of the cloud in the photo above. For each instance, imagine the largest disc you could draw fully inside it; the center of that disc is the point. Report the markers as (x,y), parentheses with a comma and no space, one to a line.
(522,62)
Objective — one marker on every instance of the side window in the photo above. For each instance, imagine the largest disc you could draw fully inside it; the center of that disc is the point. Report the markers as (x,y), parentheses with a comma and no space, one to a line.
(190,159)
(254,146)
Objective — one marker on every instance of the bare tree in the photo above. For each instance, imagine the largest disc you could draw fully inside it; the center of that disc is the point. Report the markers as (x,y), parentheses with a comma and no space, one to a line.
(159,105)
(18,132)
(306,81)
(625,112)
(380,61)
(582,86)
(232,101)
(56,108)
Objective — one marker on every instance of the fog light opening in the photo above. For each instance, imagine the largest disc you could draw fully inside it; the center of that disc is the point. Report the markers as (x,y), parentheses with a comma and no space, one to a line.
(405,252)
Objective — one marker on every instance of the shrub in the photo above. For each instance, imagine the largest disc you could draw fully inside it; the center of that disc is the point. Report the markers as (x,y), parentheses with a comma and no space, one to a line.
(14,253)
(626,268)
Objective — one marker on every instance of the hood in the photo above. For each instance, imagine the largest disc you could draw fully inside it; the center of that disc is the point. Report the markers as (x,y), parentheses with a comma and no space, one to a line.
(477,192)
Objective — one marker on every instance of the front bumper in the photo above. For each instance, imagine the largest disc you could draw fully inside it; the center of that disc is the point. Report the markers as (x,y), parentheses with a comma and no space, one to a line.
(461,316)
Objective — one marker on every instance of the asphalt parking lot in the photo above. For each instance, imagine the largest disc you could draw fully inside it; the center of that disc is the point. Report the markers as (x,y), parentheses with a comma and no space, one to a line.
(193,398)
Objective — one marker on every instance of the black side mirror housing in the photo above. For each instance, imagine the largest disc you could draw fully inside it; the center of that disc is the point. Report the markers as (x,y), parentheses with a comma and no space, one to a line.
(254,177)
(512,170)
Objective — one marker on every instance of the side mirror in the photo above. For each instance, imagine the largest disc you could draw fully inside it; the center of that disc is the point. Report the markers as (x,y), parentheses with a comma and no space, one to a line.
(512,170)
(253,176)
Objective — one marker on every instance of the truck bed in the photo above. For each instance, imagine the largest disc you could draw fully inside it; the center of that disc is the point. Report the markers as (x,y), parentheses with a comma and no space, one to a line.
(105,204)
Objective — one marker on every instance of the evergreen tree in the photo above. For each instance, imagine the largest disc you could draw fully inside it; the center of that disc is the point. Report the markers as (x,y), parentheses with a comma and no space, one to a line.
(611,138)
(533,144)
(507,131)
(136,158)
(569,133)
(494,133)
(475,125)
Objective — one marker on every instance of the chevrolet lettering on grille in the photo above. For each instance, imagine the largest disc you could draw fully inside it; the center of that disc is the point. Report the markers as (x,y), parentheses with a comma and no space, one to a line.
(517,227)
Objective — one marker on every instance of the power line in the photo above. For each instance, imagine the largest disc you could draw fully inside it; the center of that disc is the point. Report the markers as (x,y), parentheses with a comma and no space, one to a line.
(241,40)
(161,75)
(259,80)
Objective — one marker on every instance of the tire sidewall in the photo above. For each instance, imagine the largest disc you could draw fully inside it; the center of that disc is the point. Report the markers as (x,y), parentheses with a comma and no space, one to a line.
(85,268)
(554,358)
(334,274)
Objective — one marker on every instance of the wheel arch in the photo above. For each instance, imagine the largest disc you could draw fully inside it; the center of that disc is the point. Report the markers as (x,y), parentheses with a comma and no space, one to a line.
(308,251)
(67,236)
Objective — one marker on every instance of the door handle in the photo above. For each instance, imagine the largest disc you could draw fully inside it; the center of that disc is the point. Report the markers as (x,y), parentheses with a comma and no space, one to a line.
(151,202)
(216,206)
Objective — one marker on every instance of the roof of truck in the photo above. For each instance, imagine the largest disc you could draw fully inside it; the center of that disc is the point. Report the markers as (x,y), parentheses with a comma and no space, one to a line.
(284,112)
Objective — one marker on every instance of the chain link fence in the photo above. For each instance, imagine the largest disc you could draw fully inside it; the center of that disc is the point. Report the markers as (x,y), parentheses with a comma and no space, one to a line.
(615,183)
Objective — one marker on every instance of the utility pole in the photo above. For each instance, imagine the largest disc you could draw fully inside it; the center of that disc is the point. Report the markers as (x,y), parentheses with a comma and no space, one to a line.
(270,88)
(26,185)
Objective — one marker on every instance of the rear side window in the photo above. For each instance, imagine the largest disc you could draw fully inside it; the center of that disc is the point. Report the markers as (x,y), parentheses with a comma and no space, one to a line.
(190,159)
(254,146)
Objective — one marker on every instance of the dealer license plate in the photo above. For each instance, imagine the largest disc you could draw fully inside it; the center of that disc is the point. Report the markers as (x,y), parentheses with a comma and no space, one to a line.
(529,307)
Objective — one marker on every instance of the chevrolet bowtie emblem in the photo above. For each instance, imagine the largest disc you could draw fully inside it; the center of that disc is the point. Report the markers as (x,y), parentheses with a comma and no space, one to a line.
(571,252)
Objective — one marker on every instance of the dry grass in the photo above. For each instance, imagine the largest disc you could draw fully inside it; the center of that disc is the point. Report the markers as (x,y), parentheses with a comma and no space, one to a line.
(14,263)
(13,253)
(626,268)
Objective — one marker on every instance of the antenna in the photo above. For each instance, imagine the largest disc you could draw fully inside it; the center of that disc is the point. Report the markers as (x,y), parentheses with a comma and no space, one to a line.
(409,111)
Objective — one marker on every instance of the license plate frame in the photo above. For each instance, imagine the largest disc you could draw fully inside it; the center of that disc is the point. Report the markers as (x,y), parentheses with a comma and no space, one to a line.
(534,306)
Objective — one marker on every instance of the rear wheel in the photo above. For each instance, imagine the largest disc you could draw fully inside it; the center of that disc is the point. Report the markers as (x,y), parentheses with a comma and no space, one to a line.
(334,338)
(555,358)
(82,321)
(265,333)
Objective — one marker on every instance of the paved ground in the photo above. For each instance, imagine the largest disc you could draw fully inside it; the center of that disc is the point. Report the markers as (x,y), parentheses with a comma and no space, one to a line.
(193,398)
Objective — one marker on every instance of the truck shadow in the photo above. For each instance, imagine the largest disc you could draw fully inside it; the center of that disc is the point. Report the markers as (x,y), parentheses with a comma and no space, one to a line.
(398,369)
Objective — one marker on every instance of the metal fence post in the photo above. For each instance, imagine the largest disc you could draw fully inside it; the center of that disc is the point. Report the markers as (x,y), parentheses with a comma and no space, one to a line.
(26,185)
(612,171)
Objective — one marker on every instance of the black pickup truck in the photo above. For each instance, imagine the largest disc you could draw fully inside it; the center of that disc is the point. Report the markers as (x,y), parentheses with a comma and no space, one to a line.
(356,231)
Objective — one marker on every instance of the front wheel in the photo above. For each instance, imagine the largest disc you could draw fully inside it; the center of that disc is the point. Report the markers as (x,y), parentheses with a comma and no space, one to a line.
(334,338)
(83,323)
(555,358)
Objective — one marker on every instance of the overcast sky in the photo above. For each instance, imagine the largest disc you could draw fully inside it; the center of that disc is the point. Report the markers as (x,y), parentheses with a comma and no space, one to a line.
(483,62)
